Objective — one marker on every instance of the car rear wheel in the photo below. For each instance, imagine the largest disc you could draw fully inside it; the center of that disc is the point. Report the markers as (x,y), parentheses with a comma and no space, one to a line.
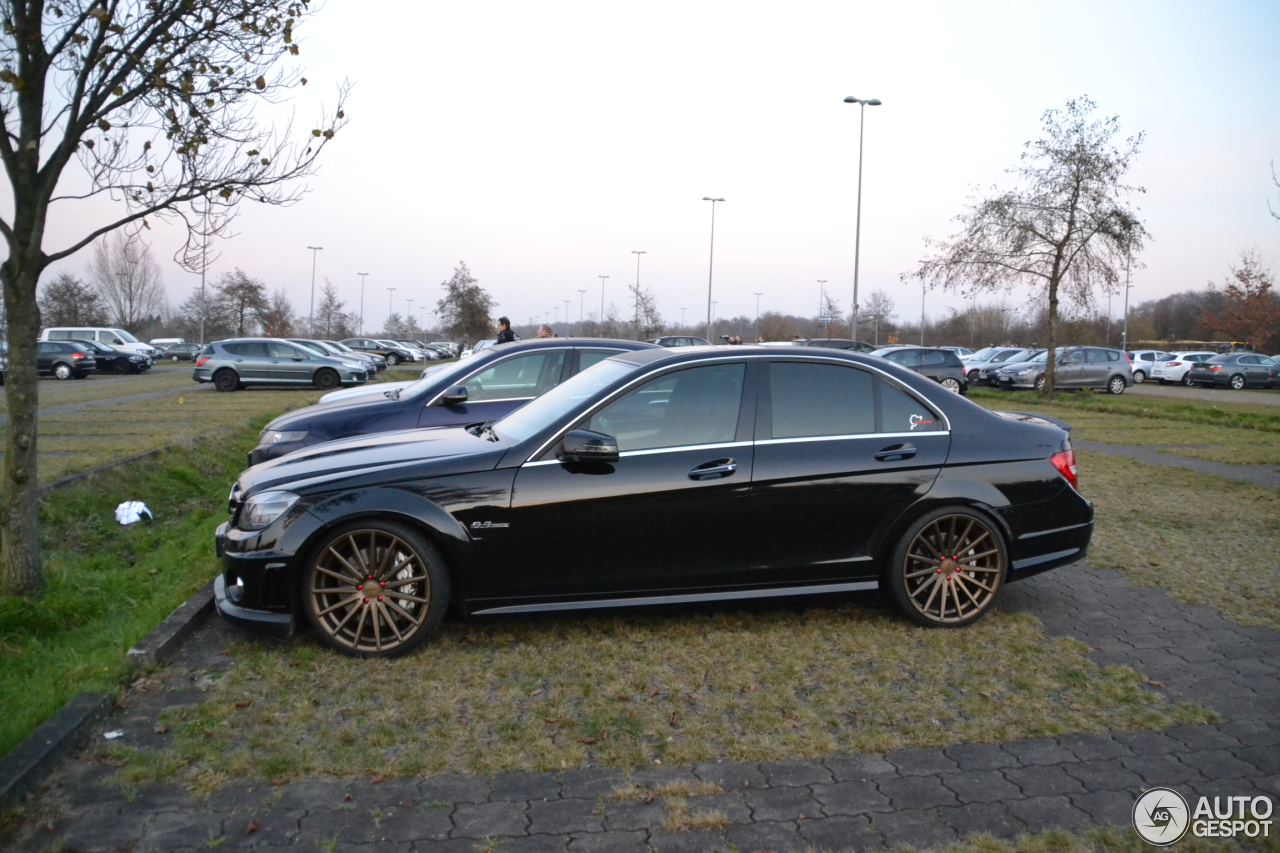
(327,380)
(951,384)
(1115,385)
(63,371)
(1186,380)
(1237,382)
(226,380)
(375,589)
(1139,377)
(392,360)
(947,569)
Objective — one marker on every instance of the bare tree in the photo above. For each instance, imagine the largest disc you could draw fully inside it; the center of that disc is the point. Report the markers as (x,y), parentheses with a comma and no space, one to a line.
(880,306)
(1066,228)
(67,301)
(331,323)
(466,309)
(128,279)
(155,101)
(648,319)
(238,302)
(277,316)
(1251,311)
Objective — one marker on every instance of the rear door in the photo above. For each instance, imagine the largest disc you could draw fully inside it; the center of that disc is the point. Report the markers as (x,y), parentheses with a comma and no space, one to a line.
(840,453)
(1096,368)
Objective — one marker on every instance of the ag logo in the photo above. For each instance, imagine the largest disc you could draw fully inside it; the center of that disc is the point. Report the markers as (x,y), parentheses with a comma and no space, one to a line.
(1161,816)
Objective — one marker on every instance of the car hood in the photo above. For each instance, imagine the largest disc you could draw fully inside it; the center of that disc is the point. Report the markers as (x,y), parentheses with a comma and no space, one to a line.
(375,459)
(366,404)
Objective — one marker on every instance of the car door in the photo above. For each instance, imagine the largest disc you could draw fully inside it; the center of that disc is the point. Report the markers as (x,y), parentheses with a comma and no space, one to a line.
(288,364)
(1070,369)
(670,515)
(251,360)
(500,388)
(840,453)
(1096,369)
(45,354)
(933,363)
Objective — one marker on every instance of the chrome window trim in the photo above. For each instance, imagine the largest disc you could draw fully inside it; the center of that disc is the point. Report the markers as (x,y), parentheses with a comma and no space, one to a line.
(498,361)
(556,436)
(650,451)
(797,439)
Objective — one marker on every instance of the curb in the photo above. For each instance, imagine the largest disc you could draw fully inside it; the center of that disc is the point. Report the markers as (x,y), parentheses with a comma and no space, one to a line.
(30,761)
(169,634)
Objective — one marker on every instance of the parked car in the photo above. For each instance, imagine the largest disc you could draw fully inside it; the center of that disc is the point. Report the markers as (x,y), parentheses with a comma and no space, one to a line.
(1144,361)
(64,360)
(988,374)
(379,361)
(328,350)
(940,365)
(494,383)
(478,347)
(841,343)
(111,360)
(393,353)
(974,362)
(181,352)
(658,476)
(234,364)
(427,353)
(1099,368)
(1174,366)
(1236,370)
(680,341)
(963,352)
(162,344)
(118,338)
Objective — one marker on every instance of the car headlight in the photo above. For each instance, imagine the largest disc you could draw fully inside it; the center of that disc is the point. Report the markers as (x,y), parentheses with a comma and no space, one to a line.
(262,509)
(1025,371)
(352,366)
(276,436)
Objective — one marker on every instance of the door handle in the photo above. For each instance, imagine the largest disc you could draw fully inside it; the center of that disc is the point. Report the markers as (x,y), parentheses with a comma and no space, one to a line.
(717,469)
(896,453)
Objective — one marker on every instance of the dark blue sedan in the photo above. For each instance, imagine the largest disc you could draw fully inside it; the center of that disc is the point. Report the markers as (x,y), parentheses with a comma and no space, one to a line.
(482,388)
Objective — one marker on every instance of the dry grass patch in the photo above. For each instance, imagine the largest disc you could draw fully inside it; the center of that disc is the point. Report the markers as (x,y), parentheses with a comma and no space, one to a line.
(1204,539)
(669,789)
(640,690)
(679,819)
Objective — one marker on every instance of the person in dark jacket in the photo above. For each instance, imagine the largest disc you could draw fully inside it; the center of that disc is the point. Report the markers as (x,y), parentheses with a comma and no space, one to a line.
(505,335)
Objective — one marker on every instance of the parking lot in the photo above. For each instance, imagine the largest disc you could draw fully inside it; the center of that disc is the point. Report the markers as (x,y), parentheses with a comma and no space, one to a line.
(832,726)
(1250,396)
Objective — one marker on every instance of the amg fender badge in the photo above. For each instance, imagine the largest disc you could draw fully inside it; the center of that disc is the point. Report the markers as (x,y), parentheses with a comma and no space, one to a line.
(486,525)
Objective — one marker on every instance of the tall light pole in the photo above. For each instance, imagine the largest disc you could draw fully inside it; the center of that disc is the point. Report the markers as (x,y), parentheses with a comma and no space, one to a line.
(602,278)
(557,310)
(922,290)
(1124,335)
(637,254)
(566,312)
(822,292)
(582,295)
(862,103)
(422,317)
(362,275)
(682,319)
(758,295)
(712,312)
(712,262)
(391,295)
(409,310)
(312,319)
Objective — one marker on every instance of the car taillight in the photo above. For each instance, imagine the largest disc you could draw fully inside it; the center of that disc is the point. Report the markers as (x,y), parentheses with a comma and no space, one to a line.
(1065,462)
(1215,367)
(202,359)
(78,355)
(1175,364)
(1126,358)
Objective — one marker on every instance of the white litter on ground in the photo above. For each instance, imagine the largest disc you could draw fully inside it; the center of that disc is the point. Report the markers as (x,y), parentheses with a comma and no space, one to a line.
(113,734)
(131,511)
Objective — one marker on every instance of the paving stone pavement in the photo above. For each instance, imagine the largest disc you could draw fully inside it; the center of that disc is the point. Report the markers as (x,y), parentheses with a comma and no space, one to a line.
(916,797)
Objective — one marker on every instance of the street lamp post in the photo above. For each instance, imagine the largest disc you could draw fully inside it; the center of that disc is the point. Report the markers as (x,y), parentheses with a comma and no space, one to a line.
(1124,335)
(557,310)
(311,321)
(712,262)
(582,295)
(602,278)
(362,275)
(391,295)
(822,293)
(712,313)
(922,290)
(638,254)
(682,319)
(862,103)
(408,311)
(566,312)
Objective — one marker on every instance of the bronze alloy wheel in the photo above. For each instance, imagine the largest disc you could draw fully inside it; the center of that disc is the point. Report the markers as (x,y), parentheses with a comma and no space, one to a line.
(375,590)
(948,568)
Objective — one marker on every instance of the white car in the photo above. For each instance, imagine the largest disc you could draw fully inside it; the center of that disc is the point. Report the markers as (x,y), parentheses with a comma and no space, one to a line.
(1174,366)
(1143,362)
(118,338)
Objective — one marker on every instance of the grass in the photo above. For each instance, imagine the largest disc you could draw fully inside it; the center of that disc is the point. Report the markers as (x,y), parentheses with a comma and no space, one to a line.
(108,585)
(1233,415)
(751,685)
(1204,539)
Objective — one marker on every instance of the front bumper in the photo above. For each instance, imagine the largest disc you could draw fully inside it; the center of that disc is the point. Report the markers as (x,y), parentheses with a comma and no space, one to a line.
(1027,381)
(262,621)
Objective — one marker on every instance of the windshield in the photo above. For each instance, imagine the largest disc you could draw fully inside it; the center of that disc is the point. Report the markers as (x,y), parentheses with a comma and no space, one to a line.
(984,354)
(433,375)
(125,336)
(311,348)
(543,412)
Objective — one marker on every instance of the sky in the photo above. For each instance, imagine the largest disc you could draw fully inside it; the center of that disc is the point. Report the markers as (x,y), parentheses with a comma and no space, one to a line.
(543,143)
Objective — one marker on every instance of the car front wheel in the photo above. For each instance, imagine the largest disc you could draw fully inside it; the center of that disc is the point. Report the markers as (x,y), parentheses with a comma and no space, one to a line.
(1039,383)
(121,366)
(947,568)
(327,380)
(375,589)
(1237,382)
(1115,385)
(392,360)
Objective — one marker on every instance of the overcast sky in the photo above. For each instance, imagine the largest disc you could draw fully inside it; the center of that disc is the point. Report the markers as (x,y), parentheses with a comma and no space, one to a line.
(542,143)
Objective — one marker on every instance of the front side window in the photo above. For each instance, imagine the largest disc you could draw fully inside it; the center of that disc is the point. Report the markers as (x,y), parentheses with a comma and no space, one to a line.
(689,407)
(900,412)
(820,399)
(520,377)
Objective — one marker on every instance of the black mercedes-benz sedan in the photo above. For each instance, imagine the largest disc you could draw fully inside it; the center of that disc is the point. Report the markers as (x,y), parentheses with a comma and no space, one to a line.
(664,475)
(485,387)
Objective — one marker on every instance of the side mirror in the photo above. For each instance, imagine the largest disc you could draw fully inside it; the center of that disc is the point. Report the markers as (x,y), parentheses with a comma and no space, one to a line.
(455,396)
(583,445)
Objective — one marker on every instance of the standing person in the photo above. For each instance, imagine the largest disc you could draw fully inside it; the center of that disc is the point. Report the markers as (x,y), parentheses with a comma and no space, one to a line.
(505,335)
(544,331)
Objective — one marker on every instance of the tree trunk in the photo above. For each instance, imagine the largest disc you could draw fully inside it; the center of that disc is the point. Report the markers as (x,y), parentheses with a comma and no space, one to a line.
(1051,364)
(20,504)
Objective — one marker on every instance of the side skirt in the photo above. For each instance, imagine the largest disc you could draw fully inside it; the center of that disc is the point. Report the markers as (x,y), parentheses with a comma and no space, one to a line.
(689,598)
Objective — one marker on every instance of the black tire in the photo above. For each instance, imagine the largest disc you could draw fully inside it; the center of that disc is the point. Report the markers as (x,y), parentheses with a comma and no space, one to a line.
(1116,385)
(972,376)
(392,359)
(327,380)
(63,371)
(1139,377)
(1186,380)
(953,550)
(173,358)
(1039,383)
(950,384)
(226,380)
(121,367)
(1238,382)
(411,597)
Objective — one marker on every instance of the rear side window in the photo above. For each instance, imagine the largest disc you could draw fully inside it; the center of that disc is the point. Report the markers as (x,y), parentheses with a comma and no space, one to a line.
(590,357)
(60,335)
(1112,355)
(905,357)
(820,399)
(247,349)
(1097,356)
(900,412)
